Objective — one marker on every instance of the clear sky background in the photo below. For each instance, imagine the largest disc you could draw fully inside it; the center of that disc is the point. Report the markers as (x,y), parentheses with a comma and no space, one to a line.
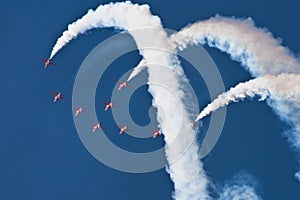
(41,154)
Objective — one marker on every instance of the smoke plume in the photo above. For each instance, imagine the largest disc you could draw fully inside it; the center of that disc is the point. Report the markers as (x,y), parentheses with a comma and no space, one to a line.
(258,52)
(138,69)
(283,87)
(147,30)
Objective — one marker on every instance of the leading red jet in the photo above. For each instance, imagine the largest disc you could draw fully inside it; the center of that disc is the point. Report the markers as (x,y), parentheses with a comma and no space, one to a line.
(57,96)
(156,133)
(123,85)
(48,62)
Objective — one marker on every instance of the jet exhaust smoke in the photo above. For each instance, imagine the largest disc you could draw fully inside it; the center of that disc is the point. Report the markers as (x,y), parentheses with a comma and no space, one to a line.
(255,48)
(138,69)
(258,52)
(239,38)
(281,87)
(109,15)
(242,186)
(189,184)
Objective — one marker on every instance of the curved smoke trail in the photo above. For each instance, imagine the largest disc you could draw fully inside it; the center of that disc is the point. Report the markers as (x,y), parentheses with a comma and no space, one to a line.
(255,48)
(191,183)
(239,38)
(281,87)
(257,51)
(124,15)
(138,69)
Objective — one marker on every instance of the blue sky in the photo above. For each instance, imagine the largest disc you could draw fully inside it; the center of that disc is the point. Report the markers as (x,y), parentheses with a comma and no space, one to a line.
(42,155)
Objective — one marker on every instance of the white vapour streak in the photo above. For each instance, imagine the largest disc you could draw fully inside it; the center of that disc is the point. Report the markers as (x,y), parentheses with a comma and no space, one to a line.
(239,192)
(281,87)
(138,69)
(187,173)
(241,187)
(255,48)
(257,51)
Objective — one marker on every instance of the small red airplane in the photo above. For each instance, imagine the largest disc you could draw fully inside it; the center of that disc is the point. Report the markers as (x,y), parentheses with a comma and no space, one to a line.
(156,133)
(124,129)
(79,111)
(97,126)
(48,62)
(108,105)
(194,125)
(57,96)
(123,85)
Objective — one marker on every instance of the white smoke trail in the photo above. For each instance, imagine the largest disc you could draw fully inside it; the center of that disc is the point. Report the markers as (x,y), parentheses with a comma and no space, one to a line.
(241,187)
(239,192)
(257,51)
(138,69)
(191,183)
(281,87)
(255,48)
(109,15)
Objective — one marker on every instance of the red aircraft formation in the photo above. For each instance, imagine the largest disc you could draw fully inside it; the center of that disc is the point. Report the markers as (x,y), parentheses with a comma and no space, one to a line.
(108,105)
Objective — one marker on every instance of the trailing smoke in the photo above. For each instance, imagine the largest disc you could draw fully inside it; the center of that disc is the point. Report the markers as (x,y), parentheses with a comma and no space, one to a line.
(255,48)
(147,31)
(241,187)
(257,51)
(282,87)
(138,69)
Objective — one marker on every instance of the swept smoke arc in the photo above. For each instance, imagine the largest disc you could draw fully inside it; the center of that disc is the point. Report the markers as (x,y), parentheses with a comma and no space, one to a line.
(256,50)
(189,184)
(284,87)
(138,69)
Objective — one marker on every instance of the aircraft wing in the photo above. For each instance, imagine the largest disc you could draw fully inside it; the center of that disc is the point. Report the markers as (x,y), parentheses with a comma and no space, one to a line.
(104,102)
(63,98)
(129,130)
(52,63)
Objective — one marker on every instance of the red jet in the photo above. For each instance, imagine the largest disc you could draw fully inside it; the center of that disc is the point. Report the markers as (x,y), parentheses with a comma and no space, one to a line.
(123,129)
(155,133)
(123,85)
(195,124)
(48,62)
(57,96)
(79,111)
(108,105)
(97,126)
